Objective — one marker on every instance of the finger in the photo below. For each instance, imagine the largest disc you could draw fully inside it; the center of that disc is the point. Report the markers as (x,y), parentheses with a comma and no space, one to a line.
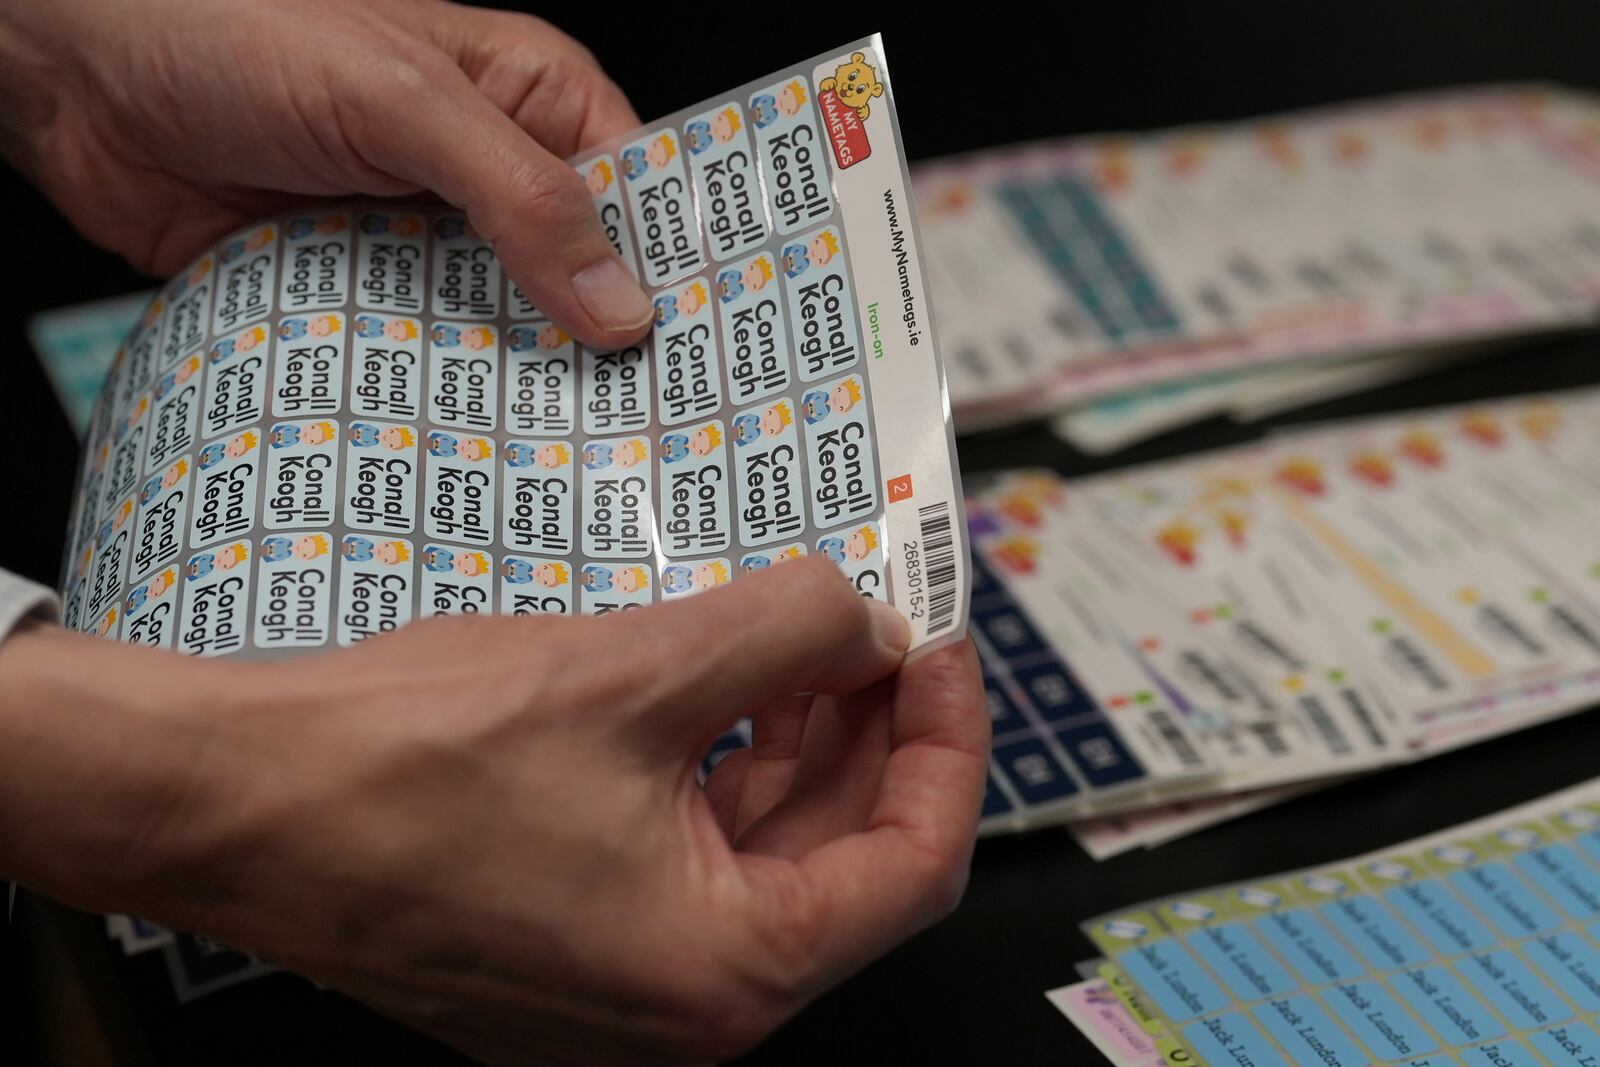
(795,628)
(833,784)
(724,787)
(423,120)
(775,739)
(907,869)
(550,85)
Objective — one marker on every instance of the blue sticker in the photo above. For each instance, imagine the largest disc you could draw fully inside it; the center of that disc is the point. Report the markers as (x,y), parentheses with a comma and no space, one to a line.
(1571,963)
(1004,715)
(1099,754)
(1307,1034)
(1514,908)
(1236,956)
(1053,690)
(1514,990)
(1375,933)
(1038,776)
(1173,980)
(1445,1004)
(1568,1046)
(1372,1013)
(1231,1038)
(1302,939)
(1507,1053)
(994,799)
(1007,629)
(1447,923)
(1564,878)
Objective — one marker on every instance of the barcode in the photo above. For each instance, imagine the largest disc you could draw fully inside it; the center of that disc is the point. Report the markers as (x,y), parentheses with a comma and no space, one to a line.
(1174,737)
(1268,735)
(939,557)
(1324,723)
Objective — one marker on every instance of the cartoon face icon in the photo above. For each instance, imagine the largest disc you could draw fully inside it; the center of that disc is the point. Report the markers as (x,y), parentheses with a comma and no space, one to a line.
(478,338)
(299,227)
(697,135)
(390,552)
(746,428)
(763,109)
(231,556)
(186,370)
(754,562)
(856,83)
(674,447)
(161,583)
(693,298)
(275,549)
(241,445)
(832,547)
(599,178)
(859,545)
(634,164)
(137,599)
(441,444)
(677,579)
(824,246)
(730,286)
(660,151)
(516,571)
(757,274)
(775,418)
(474,449)
(631,453)
(471,564)
(632,579)
(284,434)
(150,490)
(451,227)
(724,124)
(211,455)
(791,98)
(552,457)
(710,575)
(795,260)
(445,336)
(666,306)
(814,407)
(552,337)
(438,559)
(201,565)
(596,579)
(550,575)
(318,433)
(356,548)
(705,440)
(846,395)
(596,456)
(306,546)
(521,338)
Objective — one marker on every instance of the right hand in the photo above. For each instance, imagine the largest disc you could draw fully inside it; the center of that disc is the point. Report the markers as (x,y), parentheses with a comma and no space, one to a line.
(491,827)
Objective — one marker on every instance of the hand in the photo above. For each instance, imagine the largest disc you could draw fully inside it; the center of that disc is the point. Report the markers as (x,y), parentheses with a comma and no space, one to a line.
(158,126)
(491,828)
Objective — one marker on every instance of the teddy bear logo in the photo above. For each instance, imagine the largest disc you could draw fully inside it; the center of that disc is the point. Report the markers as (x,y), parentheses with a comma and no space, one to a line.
(855,83)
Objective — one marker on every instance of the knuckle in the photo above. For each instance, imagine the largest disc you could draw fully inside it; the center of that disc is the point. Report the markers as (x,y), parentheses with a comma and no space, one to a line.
(550,195)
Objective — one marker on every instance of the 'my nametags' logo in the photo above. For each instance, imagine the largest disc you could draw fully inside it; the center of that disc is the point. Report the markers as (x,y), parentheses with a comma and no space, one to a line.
(845,101)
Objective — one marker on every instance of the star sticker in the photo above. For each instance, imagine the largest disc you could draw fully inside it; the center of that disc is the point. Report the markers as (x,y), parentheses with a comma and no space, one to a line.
(1336,676)
(1144,696)
(1223,611)
(1467,595)
(1381,626)
(1539,595)
(1294,683)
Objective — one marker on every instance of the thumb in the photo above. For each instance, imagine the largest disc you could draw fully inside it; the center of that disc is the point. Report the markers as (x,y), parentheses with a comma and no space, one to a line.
(799,627)
(427,123)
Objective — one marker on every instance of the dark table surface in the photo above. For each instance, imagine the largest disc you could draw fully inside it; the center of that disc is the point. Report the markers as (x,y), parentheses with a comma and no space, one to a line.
(970,990)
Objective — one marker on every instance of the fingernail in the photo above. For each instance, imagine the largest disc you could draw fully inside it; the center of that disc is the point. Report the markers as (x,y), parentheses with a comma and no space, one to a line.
(889,626)
(611,296)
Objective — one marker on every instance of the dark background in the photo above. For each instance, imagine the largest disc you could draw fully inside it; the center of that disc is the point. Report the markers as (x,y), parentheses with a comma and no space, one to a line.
(969,991)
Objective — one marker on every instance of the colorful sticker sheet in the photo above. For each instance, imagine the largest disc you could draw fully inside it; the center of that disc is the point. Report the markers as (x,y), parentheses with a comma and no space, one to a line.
(1229,629)
(337,421)
(1081,267)
(1479,947)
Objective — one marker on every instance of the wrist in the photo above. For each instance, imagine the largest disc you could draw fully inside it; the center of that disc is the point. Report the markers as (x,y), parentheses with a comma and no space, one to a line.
(103,781)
